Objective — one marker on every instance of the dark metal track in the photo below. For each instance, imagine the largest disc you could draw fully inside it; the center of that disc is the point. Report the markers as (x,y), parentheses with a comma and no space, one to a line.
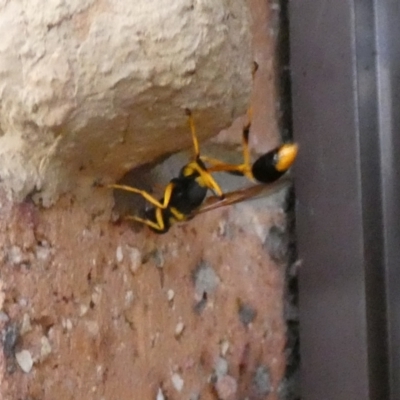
(345,61)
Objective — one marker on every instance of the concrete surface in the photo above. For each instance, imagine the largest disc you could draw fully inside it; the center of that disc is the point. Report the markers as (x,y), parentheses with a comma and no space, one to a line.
(90,89)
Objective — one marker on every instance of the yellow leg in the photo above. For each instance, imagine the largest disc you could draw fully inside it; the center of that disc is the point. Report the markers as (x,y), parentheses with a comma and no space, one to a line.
(178,216)
(211,183)
(157,225)
(193,132)
(245,167)
(148,196)
(245,140)
(205,178)
(218,165)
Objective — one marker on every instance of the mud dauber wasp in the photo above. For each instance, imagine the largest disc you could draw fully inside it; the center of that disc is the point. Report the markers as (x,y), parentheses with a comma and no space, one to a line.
(182,196)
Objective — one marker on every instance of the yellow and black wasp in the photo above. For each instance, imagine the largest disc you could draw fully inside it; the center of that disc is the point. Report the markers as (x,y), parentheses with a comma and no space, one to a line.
(182,196)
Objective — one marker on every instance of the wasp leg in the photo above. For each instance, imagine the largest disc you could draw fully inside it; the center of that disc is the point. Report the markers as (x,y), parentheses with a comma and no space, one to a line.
(235,169)
(193,132)
(245,144)
(246,167)
(152,200)
(206,177)
(242,169)
(178,216)
(212,184)
(157,225)
(147,222)
(219,166)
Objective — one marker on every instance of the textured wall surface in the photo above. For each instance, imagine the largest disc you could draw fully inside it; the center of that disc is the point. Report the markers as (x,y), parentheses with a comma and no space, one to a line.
(91,88)
(106,313)
(95,310)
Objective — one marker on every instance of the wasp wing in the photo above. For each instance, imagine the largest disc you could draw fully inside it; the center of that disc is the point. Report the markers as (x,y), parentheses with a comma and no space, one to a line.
(237,196)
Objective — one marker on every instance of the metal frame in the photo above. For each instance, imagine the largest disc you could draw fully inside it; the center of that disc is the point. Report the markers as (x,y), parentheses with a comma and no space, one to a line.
(345,62)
